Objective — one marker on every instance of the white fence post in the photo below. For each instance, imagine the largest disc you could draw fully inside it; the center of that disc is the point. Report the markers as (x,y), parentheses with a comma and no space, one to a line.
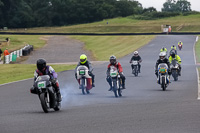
(17,53)
(7,59)
(20,52)
(11,57)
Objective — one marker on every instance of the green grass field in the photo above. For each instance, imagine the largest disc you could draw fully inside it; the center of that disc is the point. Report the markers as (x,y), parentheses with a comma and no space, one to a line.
(190,23)
(15,72)
(102,47)
(19,41)
(197,50)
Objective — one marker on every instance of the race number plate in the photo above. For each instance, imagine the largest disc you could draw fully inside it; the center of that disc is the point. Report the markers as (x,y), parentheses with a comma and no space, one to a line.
(82,72)
(42,85)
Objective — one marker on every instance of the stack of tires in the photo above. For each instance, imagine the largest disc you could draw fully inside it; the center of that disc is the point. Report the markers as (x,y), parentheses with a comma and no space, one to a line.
(27,50)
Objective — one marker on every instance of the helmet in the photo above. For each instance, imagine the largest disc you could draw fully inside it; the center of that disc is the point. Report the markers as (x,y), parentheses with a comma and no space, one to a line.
(162,55)
(113,60)
(41,64)
(83,58)
(173,54)
(135,53)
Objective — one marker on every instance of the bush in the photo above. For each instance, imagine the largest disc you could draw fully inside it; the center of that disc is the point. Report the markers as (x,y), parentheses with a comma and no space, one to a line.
(156,15)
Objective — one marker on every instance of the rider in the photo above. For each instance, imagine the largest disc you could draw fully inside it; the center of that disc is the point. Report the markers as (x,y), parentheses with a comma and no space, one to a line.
(174,56)
(163,49)
(180,43)
(173,49)
(162,59)
(43,69)
(136,57)
(85,62)
(113,62)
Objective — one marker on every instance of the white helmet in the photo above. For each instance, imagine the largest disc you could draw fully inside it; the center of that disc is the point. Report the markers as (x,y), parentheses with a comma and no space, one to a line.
(162,55)
(135,53)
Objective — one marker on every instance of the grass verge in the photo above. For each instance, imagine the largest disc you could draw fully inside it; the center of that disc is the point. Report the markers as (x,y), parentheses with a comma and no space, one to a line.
(102,47)
(197,50)
(19,41)
(15,72)
(190,23)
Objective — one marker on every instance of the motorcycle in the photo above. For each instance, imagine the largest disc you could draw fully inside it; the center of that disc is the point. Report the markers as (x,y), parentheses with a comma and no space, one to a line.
(116,81)
(179,46)
(47,94)
(175,69)
(163,78)
(84,79)
(135,70)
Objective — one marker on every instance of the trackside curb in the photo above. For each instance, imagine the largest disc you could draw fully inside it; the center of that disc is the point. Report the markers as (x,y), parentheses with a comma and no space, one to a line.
(198,80)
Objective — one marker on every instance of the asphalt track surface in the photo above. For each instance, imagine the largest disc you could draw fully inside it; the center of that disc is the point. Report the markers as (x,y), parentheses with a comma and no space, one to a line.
(144,107)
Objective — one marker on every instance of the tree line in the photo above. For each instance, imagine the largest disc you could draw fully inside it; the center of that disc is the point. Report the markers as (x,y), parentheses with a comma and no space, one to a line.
(40,13)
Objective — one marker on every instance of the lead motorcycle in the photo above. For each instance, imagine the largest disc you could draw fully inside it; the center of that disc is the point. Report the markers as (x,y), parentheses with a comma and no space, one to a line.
(135,70)
(174,69)
(163,78)
(84,79)
(116,81)
(179,46)
(47,94)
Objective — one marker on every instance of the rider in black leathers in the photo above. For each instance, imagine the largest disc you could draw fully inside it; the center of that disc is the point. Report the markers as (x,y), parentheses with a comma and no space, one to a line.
(137,58)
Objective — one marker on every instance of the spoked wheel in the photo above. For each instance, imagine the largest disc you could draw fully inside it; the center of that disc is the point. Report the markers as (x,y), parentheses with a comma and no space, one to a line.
(120,92)
(44,102)
(83,90)
(88,92)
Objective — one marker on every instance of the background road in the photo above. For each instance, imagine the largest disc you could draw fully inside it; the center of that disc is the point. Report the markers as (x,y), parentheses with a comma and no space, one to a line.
(144,108)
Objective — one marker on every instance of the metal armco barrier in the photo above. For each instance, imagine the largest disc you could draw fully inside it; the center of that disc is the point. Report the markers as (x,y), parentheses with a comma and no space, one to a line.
(22,52)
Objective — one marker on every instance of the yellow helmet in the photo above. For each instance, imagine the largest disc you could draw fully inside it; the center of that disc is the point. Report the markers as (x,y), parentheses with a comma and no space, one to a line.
(83,58)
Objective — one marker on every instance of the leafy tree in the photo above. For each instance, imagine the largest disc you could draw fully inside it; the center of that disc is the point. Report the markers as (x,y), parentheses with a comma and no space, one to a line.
(176,6)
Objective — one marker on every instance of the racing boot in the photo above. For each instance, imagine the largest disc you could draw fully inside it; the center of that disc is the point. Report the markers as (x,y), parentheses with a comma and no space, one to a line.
(58,96)
(123,86)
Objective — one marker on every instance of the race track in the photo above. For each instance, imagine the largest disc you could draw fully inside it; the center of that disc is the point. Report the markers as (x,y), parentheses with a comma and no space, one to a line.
(144,107)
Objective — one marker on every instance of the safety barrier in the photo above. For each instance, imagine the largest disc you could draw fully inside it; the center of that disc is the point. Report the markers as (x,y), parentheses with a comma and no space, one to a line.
(12,57)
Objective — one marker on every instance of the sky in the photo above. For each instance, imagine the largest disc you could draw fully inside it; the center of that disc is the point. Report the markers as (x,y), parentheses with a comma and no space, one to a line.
(158,4)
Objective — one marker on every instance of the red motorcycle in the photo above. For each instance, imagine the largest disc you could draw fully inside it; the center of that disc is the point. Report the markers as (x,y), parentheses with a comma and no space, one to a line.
(179,46)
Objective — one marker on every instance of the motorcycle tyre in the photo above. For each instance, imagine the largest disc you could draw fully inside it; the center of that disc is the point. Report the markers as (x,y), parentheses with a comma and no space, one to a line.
(43,103)
(163,84)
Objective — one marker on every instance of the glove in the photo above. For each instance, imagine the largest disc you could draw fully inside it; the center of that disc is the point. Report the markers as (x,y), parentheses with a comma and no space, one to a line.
(54,80)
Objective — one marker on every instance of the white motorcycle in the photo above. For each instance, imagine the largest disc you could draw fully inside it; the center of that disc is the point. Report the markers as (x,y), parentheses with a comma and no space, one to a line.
(84,79)
(116,81)
(163,78)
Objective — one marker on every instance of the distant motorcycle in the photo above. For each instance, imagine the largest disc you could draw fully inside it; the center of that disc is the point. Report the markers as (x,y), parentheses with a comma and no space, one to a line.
(175,69)
(84,79)
(179,46)
(163,78)
(116,81)
(47,94)
(135,70)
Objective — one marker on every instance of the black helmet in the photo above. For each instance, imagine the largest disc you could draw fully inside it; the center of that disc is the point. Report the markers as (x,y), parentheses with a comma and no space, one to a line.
(113,60)
(41,64)
(173,54)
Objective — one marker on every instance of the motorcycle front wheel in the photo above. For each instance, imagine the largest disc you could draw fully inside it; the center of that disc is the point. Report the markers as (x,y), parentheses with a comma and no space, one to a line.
(43,99)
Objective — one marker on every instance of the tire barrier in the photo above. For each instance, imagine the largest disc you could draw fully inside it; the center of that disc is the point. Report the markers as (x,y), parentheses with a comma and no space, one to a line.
(12,57)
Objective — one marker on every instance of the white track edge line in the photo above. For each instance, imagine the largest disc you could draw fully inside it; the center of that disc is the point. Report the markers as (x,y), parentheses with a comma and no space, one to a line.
(15,82)
(197,71)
